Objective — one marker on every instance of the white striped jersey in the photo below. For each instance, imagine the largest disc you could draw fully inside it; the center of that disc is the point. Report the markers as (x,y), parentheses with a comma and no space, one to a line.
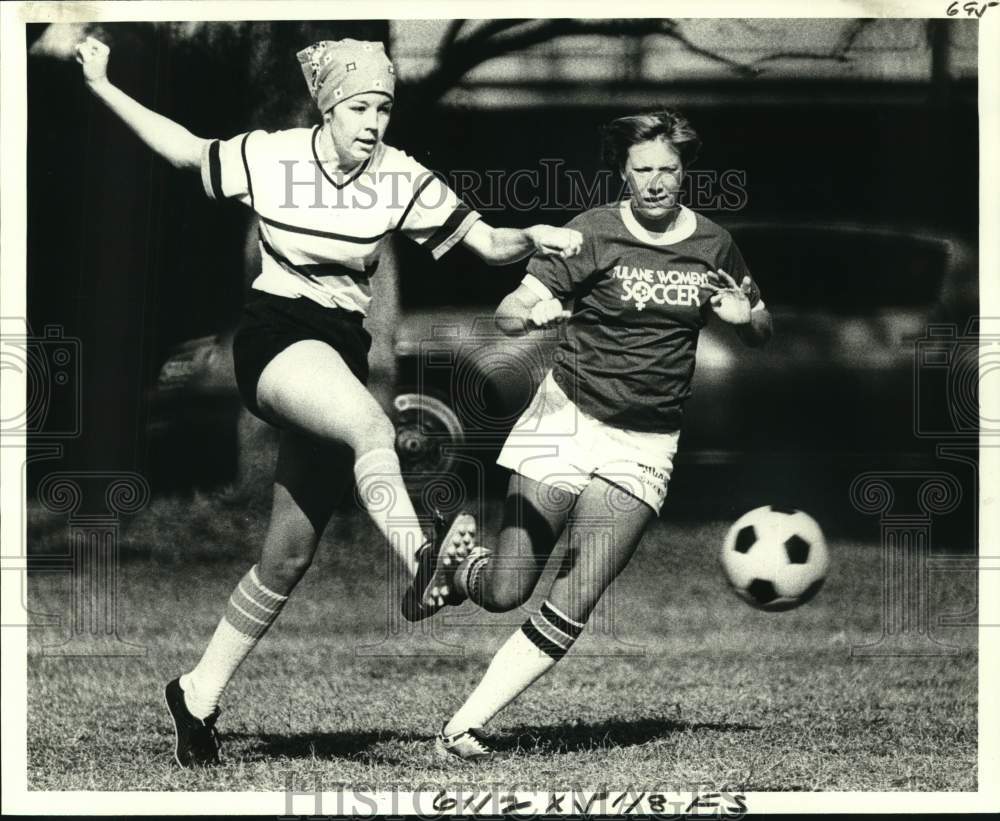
(321,235)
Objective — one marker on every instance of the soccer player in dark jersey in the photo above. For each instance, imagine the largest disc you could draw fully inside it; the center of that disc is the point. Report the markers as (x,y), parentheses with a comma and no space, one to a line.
(327,199)
(593,453)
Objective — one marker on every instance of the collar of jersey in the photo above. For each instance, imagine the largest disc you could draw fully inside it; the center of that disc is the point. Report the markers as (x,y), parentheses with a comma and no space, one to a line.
(355,175)
(683,228)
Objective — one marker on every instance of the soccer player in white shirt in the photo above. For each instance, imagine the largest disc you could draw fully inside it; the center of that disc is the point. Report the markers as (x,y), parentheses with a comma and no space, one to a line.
(327,198)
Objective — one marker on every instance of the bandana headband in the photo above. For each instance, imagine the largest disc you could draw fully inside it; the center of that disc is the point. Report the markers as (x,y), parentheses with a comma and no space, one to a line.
(337,69)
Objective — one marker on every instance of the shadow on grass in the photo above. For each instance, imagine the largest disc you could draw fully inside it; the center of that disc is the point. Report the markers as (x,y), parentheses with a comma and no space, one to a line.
(358,746)
(568,738)
(355,746)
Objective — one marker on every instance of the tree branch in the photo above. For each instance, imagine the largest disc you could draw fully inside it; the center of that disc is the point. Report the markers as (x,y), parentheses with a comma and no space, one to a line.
(495,39)
(839,53)
(451,34)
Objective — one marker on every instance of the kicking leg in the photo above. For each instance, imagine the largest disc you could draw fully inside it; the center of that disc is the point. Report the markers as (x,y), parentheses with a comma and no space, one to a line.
(603,538)
(310,479)
(308,386)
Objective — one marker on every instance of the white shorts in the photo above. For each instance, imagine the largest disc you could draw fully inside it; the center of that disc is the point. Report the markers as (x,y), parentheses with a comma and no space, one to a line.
(556,443)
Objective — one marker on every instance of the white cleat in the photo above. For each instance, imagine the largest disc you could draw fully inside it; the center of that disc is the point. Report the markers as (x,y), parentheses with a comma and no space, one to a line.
(469,745)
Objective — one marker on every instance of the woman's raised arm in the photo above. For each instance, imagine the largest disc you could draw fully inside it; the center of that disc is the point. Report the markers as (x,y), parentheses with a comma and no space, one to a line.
(170,140)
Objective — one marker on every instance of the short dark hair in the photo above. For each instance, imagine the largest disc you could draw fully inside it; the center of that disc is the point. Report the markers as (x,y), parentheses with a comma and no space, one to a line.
(618,136)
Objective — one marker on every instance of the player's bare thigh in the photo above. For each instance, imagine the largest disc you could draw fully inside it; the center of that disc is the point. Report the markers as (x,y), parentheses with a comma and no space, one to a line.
(308,387)
(605,529)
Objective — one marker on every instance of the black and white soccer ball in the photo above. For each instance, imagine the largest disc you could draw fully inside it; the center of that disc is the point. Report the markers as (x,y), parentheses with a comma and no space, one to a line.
(775,558)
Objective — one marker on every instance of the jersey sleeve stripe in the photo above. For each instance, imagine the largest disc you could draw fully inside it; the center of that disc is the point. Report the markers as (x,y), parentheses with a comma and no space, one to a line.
(214,171)
(450,224)
(444,237)
(413,200)
(246,165)
(471,218)
(320,269)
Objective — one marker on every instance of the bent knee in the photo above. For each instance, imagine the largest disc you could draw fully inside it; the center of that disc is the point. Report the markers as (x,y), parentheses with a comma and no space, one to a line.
(288,550)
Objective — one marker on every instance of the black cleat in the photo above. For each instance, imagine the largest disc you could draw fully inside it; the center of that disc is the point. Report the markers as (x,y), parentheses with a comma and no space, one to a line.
(197,740)
(431,588)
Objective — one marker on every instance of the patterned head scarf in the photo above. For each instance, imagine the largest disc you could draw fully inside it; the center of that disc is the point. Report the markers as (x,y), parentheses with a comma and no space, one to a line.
(338,69)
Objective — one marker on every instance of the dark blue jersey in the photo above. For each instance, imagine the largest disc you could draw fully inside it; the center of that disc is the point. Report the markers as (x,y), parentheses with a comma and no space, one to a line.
(639,301)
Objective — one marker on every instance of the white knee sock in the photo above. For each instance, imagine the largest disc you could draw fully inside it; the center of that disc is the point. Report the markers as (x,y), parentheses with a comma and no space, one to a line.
(252,609)
(525,657)
(384,495)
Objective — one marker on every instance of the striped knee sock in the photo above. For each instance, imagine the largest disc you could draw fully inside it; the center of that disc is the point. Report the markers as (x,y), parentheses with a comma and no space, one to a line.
(252,609)
(526,656)
(383,493)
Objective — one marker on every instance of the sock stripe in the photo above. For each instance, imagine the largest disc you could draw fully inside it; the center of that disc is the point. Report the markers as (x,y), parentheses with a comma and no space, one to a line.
(562,615)
(571,628)
(260,595)
(259,585)
(551,632)
(250,611)
(247,602)
(243,623)
(550,649)
(246,614)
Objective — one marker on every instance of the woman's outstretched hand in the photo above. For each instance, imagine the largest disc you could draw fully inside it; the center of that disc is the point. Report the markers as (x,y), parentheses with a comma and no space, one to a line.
(731,302)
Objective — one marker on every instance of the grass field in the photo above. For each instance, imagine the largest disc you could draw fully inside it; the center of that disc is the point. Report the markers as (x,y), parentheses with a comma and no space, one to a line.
(680,681)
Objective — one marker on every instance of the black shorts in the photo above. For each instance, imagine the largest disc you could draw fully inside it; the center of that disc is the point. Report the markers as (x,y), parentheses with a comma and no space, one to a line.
(271,323)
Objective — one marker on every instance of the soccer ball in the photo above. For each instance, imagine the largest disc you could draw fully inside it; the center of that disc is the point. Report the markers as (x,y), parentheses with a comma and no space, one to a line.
(775,558)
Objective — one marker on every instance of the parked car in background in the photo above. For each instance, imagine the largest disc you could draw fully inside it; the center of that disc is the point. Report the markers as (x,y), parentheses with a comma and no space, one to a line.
(835,387)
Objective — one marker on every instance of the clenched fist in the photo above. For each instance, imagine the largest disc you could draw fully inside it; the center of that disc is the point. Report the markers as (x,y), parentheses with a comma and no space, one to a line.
(547,313)
(548,239)
(92,54)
